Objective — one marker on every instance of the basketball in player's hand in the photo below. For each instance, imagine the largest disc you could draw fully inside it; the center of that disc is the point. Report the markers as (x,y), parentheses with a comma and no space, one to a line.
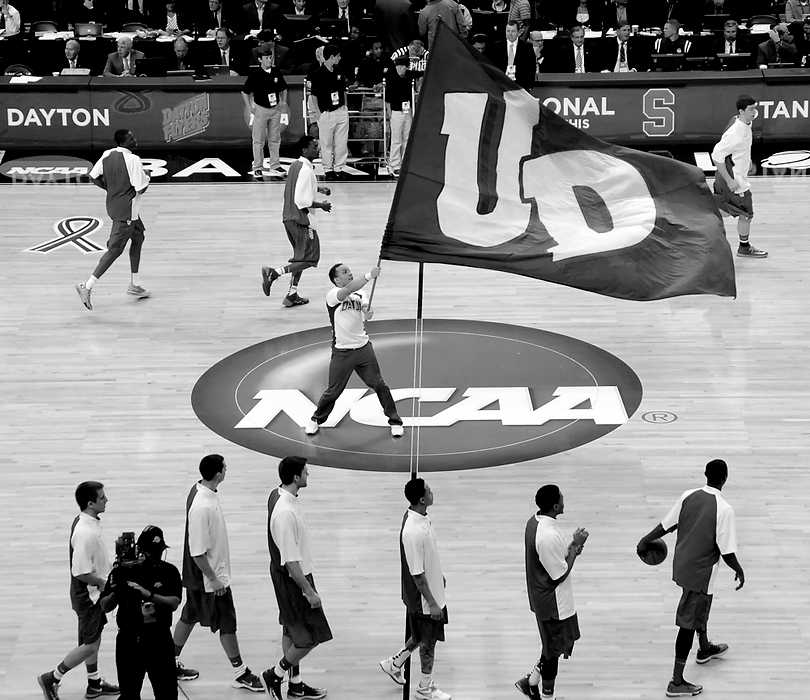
(654,553)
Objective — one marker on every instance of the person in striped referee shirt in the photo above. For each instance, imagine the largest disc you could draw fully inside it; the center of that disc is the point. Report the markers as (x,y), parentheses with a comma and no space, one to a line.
(120,173)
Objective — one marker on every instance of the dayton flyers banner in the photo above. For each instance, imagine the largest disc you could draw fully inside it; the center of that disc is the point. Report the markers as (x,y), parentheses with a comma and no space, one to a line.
(493,179)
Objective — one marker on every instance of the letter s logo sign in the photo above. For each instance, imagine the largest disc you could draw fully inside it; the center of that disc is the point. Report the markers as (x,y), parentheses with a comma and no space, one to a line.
(657,106)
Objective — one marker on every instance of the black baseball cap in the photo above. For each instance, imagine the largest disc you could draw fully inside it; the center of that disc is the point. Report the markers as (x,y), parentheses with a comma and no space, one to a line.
(151,539)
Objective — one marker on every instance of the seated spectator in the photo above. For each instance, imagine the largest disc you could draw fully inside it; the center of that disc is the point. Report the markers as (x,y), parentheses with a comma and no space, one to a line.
(416,53)
(618,13)
(622,55)
(536,42)
(577,56)
(372,67)
(292,29)
(123,62)
(71,59)
(520,11)
(479,43)
(803,42)
(672,42)
(260,15)
(796,10)
(514,57)
(222,54)
(216,16)
(351,54)
(778,48)
(170,21)
(730,42)
(180,59)
(9,20)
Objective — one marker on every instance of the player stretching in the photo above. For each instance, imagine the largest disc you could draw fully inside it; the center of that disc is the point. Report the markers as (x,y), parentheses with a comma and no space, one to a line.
(120,173)
(732,191)
(299,197)
(351,348)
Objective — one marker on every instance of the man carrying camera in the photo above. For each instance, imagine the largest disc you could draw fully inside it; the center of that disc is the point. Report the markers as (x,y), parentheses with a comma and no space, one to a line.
(147,591)
(89,566)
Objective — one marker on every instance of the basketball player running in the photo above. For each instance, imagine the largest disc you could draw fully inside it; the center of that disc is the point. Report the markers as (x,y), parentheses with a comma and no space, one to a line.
(706,531)
(549,561)
(732,191)
(300,189)
(120,173)
(351,348)
(300,612)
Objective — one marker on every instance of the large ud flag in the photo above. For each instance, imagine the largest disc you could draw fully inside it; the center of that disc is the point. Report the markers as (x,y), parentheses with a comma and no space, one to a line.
(493,179)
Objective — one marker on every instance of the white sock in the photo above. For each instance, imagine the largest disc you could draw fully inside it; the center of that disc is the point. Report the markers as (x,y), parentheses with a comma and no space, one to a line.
(399,658)
(425,680)
(239,670)
(58,676)
(534,676)
(91,281)
(280,271)
(293,290)
(278,670)
(95,676)
(135,279)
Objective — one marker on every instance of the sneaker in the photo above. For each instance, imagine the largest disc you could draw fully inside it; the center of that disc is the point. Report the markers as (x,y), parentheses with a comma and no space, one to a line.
(432,692)
(273,683)
(397,431)
(257,173)
(137,291)
(84,295)
(248,681)
(748,251)
(275,171)
(530,691)
(269,275)
(329,175)
(312,427)
(713,651)
(49,684)
(294,300)
(683,689)
(397,673)
(304,691)
(186,674)
(95,689)
(547,696)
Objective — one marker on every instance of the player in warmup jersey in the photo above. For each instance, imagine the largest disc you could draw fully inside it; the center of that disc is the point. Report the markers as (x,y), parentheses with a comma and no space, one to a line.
(120,173)
(351,348)
(706,532)
(732,191)
(299,197)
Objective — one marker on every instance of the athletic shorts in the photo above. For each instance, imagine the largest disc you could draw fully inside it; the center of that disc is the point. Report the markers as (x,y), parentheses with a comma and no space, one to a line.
(733,204)
(558,636)
(693,610)
(305,625)
(305,243)
(214,611)
(122,231)
(91,622)
(425,629)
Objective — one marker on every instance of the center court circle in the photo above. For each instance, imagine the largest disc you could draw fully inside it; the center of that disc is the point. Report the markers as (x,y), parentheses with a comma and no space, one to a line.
(491,394)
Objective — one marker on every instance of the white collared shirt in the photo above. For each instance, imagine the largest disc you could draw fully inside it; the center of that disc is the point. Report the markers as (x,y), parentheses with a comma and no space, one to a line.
(422,555)
(511,46)
(621,67)
(289,532)
(90,556)
(306,186)
(208,535)
(736,142)
(552,549)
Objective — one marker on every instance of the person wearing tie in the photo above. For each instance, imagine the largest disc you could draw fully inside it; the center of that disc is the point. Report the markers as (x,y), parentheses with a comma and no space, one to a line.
(536,39)
(617,59)
(731,42)
(122,63)
(225,51)
(577,57)
(258,15)
(516,59)
(72,48)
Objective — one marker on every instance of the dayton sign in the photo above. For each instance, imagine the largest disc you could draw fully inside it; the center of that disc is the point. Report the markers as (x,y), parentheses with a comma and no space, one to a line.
(490,394)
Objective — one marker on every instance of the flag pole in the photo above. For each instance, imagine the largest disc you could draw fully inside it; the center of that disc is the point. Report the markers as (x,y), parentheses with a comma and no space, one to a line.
(414,450)
(374,284)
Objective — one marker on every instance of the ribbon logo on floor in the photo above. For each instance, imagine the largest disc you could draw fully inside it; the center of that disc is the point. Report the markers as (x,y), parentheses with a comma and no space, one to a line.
(490,394)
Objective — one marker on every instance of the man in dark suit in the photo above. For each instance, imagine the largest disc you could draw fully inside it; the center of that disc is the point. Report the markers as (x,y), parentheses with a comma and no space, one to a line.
(515,57)
(260,14)
(779,47)
(215,15)
(71,59)
(181,57)
(123,62)
(619,12)
(222,54)
(732,42)
(342,14)
(537,44)
(622,55)
(170,18)
(577,56)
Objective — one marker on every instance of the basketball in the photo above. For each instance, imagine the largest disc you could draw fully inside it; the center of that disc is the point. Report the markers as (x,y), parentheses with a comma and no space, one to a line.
(655,553)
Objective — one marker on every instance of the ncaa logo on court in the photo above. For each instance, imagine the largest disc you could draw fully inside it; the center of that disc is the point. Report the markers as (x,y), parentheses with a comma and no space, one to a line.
(490,394)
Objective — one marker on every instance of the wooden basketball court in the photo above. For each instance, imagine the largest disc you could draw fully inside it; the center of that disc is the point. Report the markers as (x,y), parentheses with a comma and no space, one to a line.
(106,395)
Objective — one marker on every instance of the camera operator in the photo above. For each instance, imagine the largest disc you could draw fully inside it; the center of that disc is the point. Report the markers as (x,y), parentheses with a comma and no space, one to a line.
(147,591)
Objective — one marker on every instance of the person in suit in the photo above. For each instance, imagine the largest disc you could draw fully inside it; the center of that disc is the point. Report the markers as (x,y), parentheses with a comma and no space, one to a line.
(260,14)
(577,56)
(803,42)
(515,58)
(619,12)
(181,58)
(778,48)
(224,55)
(536,43)
(122,62)
(731,42)
(71,59)
(341,10)
(622,55)
(216,15)
(170,19)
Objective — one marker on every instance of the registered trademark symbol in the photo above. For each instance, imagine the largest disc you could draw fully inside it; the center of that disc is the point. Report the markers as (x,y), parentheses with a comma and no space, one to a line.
(659,417)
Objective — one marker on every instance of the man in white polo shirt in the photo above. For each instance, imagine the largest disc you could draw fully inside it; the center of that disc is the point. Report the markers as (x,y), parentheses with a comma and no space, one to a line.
(550,558)
(89,567)
(706,531)
(300,612)
(422,592)
(207,575)
(351,349)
